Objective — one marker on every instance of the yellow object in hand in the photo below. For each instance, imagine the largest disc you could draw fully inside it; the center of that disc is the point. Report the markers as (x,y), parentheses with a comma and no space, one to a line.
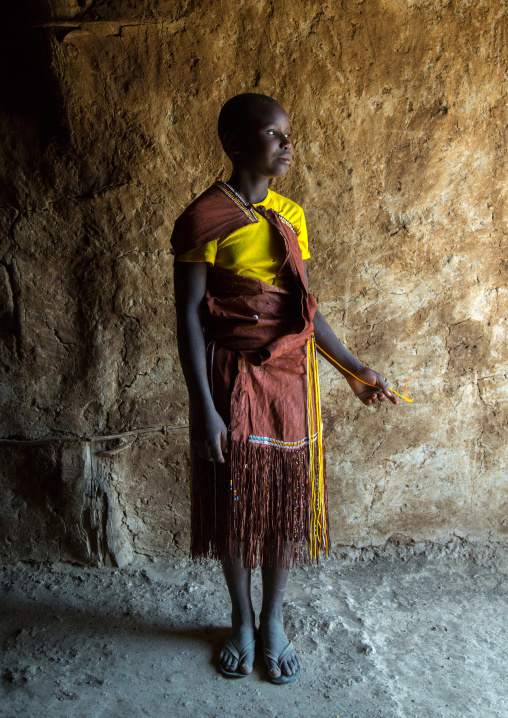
(408,398)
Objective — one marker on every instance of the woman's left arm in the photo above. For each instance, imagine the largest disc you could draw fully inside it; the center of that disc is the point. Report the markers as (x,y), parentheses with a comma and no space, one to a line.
(327,341)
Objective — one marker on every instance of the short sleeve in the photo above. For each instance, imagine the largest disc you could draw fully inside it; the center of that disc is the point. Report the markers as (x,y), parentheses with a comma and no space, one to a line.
(206,253)
(303,238)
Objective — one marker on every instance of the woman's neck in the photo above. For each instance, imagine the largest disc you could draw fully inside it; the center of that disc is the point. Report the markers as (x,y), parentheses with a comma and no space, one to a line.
(253,189)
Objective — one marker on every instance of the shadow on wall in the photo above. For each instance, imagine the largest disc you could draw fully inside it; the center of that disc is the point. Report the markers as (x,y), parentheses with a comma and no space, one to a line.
(29,93)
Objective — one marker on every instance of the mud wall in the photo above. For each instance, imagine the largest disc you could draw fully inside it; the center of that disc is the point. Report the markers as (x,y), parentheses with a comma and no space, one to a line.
(108,117)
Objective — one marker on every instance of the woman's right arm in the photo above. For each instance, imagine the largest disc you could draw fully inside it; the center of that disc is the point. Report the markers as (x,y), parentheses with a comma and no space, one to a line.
(208,432)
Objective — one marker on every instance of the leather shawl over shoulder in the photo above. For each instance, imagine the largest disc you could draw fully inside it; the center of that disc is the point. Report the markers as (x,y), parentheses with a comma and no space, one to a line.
(212,215)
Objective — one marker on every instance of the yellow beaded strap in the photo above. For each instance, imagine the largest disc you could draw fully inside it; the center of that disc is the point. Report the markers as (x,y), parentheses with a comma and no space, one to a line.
(407,398)
(318,529)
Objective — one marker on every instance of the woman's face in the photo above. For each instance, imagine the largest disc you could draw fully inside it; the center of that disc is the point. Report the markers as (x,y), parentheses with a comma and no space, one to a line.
(264,147)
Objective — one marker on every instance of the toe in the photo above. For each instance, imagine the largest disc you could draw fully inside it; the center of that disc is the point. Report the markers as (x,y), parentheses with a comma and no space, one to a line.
(287,668)
(222,659)
(245,665)
(273,669)
(228,661)
(247,662)
(290,665)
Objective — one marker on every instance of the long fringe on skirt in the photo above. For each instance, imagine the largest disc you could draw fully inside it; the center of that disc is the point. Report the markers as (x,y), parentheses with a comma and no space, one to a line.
(269,499)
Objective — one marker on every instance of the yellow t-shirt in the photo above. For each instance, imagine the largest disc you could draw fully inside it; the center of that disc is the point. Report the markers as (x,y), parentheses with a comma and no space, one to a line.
(255,250)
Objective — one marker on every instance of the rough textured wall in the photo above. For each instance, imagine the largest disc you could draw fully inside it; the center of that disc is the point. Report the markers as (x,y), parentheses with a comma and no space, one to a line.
(108,131)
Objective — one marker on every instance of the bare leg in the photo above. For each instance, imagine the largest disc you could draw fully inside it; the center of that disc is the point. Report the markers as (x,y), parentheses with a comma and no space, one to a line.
(271,622)
(242,616)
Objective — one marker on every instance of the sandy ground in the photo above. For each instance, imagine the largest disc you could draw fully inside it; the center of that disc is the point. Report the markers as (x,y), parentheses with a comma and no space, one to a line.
(388,638)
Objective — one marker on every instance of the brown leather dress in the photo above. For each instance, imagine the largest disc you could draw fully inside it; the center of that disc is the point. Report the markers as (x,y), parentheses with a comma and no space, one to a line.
(269,498)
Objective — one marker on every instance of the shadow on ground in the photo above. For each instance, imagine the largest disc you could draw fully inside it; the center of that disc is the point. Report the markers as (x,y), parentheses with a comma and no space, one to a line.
(386,639)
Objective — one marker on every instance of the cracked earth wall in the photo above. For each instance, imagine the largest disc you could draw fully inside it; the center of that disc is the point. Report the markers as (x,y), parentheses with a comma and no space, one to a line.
(108,131)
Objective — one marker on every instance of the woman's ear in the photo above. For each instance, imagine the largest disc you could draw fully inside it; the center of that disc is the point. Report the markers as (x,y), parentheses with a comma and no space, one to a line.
(232,144)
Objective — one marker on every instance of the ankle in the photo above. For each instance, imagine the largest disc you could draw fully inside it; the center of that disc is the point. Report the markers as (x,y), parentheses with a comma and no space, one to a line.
(271,617)
(243,617)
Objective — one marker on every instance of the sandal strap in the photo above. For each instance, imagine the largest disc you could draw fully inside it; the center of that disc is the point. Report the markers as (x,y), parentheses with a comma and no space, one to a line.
(232,649)
(245,650)
(278,660)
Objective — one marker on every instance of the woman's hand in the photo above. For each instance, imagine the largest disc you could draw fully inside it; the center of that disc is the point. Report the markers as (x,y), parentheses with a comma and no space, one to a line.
(370,395)
(208,435)
(340,357)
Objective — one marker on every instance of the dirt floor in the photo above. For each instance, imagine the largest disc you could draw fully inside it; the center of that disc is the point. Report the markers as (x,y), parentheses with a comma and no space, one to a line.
(420,638)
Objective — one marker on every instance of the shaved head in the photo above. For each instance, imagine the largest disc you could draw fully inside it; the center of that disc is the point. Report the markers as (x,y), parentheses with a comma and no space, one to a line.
(237,113)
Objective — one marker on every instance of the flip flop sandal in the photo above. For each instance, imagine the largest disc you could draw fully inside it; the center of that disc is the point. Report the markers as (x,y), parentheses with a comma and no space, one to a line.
(239,657)
(282,678)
